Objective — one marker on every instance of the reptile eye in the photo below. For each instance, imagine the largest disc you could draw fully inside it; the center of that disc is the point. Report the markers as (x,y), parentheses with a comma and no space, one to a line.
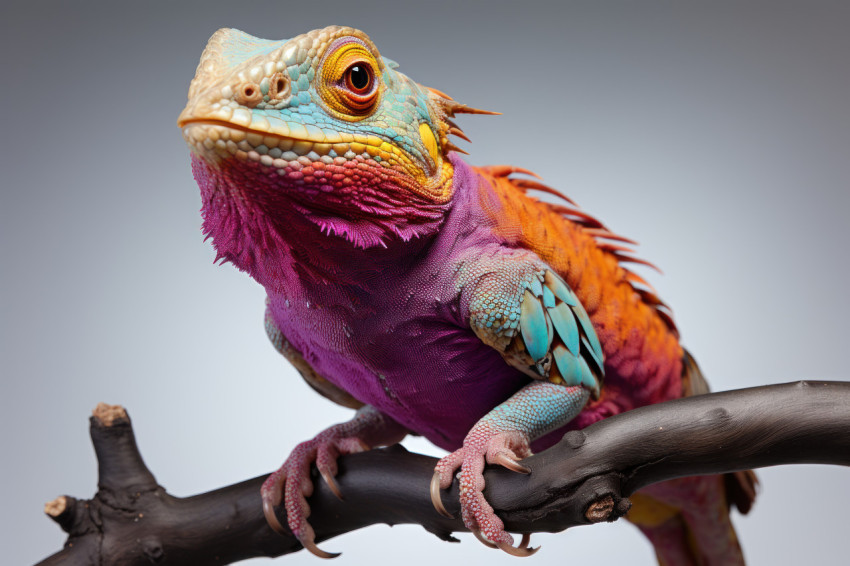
(357,87)
(350,79)
(359,78)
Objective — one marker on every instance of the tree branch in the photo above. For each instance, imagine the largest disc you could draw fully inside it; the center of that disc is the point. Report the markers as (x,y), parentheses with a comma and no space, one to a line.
(585,478)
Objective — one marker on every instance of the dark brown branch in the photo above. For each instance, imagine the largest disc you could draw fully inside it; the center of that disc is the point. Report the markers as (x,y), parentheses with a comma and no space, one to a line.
(585,478)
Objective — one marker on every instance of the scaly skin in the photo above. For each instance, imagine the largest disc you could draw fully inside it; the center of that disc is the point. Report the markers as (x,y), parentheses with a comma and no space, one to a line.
(367,429)
(502,436)
(440,298)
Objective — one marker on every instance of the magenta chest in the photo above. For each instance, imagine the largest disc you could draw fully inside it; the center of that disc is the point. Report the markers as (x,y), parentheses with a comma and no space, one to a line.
(403,352)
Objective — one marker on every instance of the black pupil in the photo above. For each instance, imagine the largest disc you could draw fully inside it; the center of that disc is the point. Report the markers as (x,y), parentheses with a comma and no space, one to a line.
(359,77)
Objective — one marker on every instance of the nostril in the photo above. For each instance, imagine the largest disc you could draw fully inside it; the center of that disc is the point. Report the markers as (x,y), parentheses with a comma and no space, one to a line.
(278,86)
(249,94)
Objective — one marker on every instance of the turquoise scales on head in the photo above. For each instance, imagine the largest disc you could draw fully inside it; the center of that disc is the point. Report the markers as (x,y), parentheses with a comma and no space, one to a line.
(330,178)
(326,97)
(285,100)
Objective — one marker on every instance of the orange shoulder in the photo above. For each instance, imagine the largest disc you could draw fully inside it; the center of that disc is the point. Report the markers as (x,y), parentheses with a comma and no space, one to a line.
(624,308)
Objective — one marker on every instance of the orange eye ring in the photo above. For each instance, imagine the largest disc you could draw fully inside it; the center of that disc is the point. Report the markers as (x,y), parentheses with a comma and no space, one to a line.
(351,85)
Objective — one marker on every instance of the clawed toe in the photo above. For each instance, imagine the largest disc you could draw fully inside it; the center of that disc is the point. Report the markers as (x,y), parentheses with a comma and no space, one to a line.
(331,481)
(272,493)
(481,448)
(292,484)
(271,517)
(311,546)
(307,540)
(483,540)
(504,460)
(436,500)
(520,550)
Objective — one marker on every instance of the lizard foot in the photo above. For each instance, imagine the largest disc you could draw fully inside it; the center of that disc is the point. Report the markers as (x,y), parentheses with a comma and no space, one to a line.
(292,484)
(493,445)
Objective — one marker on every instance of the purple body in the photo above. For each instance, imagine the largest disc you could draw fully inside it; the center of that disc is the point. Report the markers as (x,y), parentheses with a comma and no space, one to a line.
(390,326)
(399,341)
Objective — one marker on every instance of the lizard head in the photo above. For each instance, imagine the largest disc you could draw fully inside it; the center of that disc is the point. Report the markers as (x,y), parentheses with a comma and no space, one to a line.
(321,126)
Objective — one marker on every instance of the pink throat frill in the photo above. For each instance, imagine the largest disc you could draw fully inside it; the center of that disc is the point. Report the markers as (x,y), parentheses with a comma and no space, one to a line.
(261,223)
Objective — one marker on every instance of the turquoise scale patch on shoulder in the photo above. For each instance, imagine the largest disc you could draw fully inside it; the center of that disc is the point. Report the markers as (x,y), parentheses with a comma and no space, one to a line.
(566,362)
(560,288)
(565,324)
(532,324)
(536,287)
(548,298)
(587,379)
(555,327)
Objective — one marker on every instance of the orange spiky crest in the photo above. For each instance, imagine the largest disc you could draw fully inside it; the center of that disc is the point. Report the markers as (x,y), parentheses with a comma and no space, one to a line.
(447,108)
(589,225)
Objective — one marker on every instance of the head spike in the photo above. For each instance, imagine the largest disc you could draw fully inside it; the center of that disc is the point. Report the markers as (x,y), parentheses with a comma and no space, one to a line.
(457,108)
(439,93)
(449,146)
(459,133)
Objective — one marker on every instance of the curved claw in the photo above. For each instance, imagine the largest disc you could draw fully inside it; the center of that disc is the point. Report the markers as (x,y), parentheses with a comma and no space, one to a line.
(311,546)
(483,540)
(436,500)
(526,538)
(271,517)
(521,551)
(273,497)
(331,481)
(504,460)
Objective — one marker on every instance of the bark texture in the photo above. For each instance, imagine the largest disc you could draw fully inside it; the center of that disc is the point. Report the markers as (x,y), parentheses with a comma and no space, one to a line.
(586,478)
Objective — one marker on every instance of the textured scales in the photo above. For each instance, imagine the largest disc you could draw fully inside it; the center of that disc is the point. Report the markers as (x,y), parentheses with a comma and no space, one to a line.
(368,428)
(503,436)
(535,320)
(437,297)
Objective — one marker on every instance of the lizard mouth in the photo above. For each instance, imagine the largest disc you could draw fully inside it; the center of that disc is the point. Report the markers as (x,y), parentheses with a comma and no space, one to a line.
(284,142)
(228,139)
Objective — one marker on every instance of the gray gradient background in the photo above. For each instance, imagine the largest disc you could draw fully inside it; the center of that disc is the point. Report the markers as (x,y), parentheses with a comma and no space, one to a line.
(715,133)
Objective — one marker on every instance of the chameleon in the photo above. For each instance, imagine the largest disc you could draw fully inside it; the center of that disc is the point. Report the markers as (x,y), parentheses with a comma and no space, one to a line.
(432,297)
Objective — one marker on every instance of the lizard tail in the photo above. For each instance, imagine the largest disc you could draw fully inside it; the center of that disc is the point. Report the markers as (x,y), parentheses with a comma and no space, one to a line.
(687,519)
